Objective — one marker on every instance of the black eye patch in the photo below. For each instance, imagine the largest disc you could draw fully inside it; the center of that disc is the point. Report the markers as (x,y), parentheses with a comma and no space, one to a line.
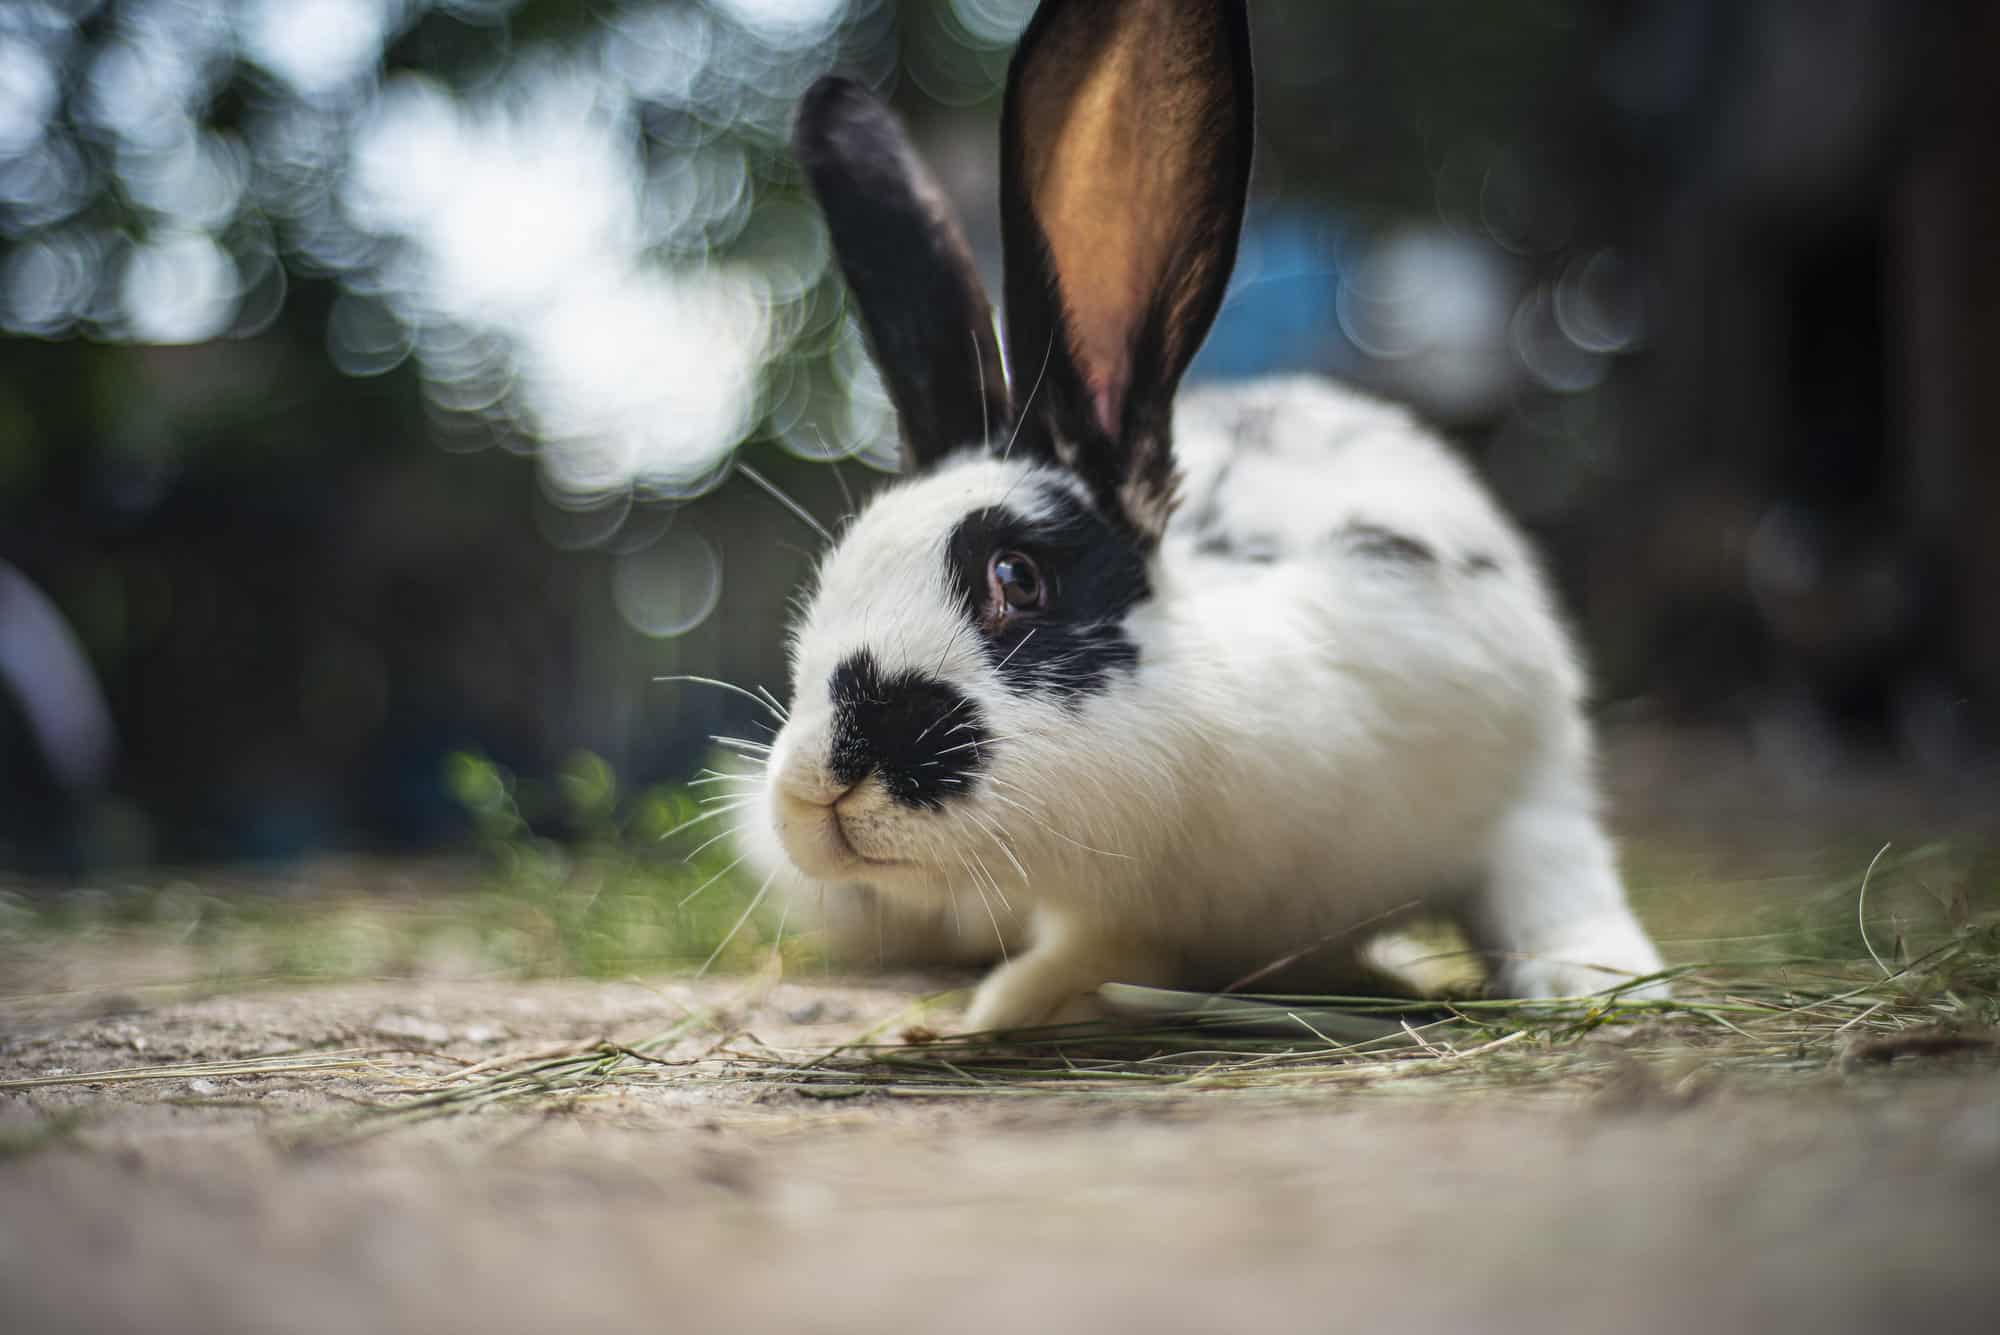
(1095,574)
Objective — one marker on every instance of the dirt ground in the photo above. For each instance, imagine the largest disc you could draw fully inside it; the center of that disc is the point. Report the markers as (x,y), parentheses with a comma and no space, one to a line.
(1629,1192)
(1830,1201)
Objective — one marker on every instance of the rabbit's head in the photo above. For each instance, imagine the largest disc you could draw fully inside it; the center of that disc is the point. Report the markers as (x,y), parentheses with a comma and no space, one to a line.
(965,678)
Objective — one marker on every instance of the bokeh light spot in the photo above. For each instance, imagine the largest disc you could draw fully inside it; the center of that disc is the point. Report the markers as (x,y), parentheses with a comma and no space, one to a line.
(670,587)
(316,45)
(364,338)
(179,288)
(28,94)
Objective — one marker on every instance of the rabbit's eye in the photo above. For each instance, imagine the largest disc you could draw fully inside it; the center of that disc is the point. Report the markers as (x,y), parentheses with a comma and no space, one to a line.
(1015,583)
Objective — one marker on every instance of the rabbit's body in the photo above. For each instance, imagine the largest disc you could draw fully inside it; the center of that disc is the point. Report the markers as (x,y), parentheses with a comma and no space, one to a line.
(1157,691)
(1399,683)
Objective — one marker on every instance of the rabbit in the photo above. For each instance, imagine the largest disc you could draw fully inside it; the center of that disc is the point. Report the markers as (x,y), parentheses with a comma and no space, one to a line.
(1170,690)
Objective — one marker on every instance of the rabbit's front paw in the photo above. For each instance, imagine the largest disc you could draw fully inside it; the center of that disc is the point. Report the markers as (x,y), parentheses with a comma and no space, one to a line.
(1025,1004)
(1581,969)
(1056,983)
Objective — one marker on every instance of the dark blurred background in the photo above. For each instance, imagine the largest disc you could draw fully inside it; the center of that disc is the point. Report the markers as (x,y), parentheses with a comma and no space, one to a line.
(371,371)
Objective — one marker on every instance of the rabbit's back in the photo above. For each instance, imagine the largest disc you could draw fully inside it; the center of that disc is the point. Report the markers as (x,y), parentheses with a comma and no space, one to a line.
(1372,533)
(1382,617)
(1361,652)
(1297,468)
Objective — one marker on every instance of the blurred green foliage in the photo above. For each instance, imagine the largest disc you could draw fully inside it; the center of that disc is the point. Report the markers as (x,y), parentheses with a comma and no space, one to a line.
(641,882)
(627,889)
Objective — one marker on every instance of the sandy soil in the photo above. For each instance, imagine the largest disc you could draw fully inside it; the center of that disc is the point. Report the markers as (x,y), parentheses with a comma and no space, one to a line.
(1843,1201)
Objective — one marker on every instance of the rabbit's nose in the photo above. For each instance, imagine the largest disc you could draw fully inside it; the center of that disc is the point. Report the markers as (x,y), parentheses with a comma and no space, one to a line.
(814,785)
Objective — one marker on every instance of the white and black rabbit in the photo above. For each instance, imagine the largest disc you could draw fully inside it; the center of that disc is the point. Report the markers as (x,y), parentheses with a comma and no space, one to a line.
(1153,690)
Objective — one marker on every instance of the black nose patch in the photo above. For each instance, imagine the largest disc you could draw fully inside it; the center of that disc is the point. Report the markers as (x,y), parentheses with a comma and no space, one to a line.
(924,738)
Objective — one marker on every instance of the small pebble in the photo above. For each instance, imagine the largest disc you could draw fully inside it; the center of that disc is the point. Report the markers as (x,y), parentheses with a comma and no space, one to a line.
(414,1028)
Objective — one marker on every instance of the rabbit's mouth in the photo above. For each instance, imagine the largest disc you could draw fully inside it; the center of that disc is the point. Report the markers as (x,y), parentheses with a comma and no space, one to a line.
(838,835)
(843,837)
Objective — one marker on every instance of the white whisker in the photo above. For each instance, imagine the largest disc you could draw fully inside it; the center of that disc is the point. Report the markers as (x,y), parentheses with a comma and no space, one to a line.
(708,815)
(760,701)
(962,703)
(949,645)
(957,925)
(999,936)
(1025,407)
(993,881)
(975,743)
(708,777)
(712,839)
(755,900)
(1017,648)
(979,363)
(778,941)
(996,836)
(846,496)
(1025,811)
(688,898)
(803,515)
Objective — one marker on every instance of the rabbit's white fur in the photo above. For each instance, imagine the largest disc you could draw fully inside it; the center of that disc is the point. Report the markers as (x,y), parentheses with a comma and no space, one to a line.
(1352,695)
(1325,689)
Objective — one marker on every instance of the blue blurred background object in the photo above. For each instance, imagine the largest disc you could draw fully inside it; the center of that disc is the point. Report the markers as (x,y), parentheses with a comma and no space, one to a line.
(372,372)
(52,684)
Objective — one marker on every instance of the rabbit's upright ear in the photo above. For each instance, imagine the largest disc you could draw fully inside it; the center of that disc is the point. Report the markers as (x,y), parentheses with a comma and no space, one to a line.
(928,321)
(1125,160)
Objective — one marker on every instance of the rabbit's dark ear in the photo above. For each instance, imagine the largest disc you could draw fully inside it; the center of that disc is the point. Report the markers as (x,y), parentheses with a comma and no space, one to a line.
(1125,160)
(906,261)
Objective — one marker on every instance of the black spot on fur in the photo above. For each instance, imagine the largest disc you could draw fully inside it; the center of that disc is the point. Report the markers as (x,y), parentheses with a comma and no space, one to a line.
(922,737)
(1095,572)
(1255,428)
(1256,548)
(1206,515)
(1383,544)
(1479,563)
